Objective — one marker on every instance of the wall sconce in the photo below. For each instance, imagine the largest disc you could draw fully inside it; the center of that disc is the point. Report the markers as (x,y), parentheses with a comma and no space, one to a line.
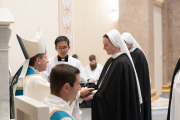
(115,9)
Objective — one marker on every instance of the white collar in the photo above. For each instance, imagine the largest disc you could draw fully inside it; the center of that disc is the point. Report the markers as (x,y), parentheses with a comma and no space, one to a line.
(57,102)
(34,69)
(116,55)
(131,50)
(62,59)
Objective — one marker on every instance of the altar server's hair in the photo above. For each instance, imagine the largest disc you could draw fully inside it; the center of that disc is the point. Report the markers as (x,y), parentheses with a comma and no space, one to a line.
(62,74)
(61,38)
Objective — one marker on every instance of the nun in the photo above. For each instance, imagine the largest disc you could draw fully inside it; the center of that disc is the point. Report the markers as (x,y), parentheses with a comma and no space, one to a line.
(119,95)
(141,65)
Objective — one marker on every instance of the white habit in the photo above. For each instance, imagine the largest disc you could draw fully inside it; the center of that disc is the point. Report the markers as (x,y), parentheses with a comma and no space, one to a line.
(175,105)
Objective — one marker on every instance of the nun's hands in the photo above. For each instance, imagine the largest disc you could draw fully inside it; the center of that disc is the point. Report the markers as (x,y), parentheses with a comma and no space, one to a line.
(88,97)
(85,91)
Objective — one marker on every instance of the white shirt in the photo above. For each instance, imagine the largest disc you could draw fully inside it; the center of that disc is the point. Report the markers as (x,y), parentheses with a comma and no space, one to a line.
(93,75)
(71,61)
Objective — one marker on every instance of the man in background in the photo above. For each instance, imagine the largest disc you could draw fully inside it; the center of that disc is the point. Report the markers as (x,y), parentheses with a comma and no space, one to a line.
(93,70)
(75,56)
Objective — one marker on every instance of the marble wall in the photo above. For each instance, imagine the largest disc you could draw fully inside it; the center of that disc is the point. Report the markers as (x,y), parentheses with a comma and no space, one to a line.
(165,43)
(136,17)
(6,18)
(171,42)
(5,34)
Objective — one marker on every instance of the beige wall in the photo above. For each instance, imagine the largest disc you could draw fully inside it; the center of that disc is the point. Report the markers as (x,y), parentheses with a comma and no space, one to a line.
(136,17)
(166,43)
(174,17)
(29,16)
(92,19)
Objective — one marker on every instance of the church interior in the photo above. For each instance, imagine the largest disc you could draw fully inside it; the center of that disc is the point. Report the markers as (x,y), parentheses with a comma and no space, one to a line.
(153,23)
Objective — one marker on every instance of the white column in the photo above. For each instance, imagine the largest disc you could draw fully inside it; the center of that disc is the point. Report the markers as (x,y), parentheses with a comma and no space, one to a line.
(66,24)
(6,19)
(158,45)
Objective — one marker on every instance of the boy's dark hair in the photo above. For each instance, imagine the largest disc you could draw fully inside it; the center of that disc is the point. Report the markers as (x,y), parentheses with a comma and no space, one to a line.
(33,59)
(92,57)
(62,74)
(75,56)
(61,38)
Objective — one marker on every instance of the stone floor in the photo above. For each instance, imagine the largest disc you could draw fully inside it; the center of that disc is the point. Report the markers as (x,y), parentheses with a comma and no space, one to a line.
(86,113)
(156,114)
(159,110)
